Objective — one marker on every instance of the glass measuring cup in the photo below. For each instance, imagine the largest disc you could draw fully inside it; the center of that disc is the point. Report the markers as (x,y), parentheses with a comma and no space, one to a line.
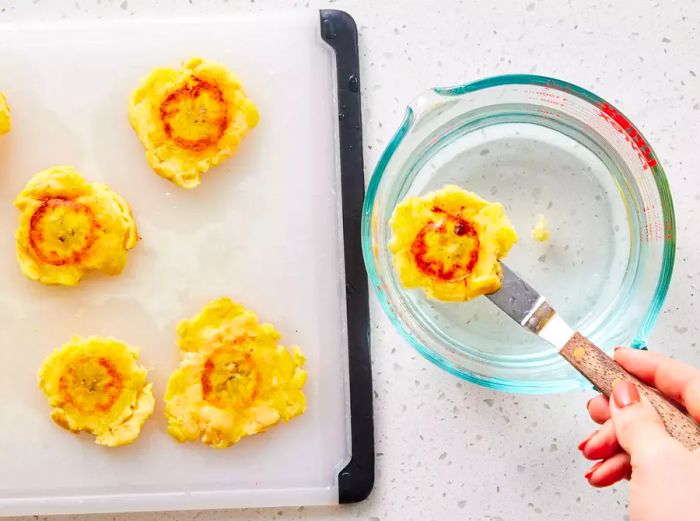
(539,146)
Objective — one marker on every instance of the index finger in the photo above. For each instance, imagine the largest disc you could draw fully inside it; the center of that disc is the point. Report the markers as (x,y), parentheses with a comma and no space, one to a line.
(678,381)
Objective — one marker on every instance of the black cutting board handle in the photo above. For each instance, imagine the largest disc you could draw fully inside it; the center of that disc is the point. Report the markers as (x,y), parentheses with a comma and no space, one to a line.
(339,31)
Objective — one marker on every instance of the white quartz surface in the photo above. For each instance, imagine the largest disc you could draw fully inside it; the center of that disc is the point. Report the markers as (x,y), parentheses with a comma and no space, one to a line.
(447,449)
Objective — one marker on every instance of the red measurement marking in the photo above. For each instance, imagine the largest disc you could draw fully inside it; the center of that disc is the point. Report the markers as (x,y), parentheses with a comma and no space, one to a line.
(620,123)
(551,97)
(549,113)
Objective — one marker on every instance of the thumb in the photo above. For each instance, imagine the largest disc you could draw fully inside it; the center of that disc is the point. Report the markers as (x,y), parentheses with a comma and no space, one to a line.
(637,424)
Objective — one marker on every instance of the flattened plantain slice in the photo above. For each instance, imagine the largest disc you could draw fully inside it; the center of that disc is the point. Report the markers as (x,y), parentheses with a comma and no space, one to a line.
(191,119)
(68,226)
(234,380)
(96,385)
(448,243)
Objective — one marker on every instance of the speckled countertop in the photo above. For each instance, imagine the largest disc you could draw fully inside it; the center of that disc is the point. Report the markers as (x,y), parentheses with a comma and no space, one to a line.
(447,449)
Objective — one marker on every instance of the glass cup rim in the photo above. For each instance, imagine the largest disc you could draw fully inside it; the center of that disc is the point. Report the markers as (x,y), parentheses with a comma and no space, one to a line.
(661,184)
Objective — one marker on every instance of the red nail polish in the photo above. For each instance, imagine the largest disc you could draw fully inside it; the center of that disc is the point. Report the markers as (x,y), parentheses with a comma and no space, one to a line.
(625,393)
(583,444)
(592,470)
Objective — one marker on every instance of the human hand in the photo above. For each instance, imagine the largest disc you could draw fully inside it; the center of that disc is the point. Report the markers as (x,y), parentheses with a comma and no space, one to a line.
(633,444)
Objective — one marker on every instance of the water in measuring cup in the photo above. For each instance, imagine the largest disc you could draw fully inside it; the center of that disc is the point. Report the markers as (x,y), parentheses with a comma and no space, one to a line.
(534,170)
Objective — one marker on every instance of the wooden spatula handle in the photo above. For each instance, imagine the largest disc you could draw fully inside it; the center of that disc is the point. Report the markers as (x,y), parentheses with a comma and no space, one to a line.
(603,372)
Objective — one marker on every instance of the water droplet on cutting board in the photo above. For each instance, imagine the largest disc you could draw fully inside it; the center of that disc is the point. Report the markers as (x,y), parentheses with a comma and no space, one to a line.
(353,83)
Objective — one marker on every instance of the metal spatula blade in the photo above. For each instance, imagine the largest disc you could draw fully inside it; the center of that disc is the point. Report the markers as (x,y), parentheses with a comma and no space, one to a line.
(527,307)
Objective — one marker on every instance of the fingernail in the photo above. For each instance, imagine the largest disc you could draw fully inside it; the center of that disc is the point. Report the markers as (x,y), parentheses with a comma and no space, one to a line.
(583,444)
(593,469)
(625,393)
(621,348)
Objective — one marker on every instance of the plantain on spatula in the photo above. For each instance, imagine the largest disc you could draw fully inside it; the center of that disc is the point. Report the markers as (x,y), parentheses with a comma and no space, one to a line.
(531,310)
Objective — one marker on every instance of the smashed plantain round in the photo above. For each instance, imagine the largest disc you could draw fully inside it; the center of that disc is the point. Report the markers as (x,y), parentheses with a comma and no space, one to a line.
(96,385)
(68,226)
(5,119)
(190,120)
(234,379)
(448,243)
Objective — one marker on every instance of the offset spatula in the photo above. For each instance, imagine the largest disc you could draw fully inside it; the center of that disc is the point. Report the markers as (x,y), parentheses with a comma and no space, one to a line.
(531,310)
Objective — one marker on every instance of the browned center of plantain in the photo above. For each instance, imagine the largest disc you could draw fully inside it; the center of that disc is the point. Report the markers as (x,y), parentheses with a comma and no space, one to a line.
(447,249)
(62,231)
(230,379)
(91,384)
(195,116)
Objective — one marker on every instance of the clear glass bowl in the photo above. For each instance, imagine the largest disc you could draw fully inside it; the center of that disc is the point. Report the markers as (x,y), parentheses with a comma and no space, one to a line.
(539,146)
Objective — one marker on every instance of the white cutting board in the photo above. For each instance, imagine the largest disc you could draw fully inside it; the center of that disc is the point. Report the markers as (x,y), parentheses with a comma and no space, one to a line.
(263,228)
